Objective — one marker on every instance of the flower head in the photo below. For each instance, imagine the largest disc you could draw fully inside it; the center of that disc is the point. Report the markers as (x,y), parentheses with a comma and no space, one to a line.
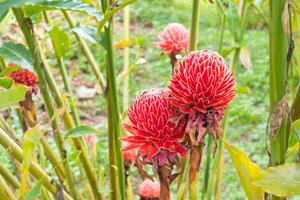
(91,140)
(174,39)
(25,77)
(153,128)
(149,189)
(130,155)
(202,88)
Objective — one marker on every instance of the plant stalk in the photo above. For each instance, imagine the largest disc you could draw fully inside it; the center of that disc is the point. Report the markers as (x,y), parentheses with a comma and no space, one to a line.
(34,169)
(278,39)
(87,53)
(11,179)
(117,176)
(5,191)
(195,25)
(43,71)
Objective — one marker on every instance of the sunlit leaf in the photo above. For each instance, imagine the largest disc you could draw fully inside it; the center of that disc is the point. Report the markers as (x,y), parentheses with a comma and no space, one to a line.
(3,15)
(73,157)
(12,96)
(292,150)
(16,53)
(35,191)
(5,82)
(122,44)
(247,171)
(73,5)
(282,180)
(243,90)
(60,40)
(81,130)
(245,58)
(31,140)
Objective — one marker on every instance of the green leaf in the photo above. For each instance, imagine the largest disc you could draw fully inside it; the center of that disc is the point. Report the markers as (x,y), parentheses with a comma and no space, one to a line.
(247,171)
(282,180)
(31,140)
(87,32)
(12,96)
(7,70)
(243,90)
(6,82)
(16,53)
(60,40)
(35,191)
(226,51)
(5,5)
(81,130)
(296,127)
(73,157)
(3,15)
(73,5)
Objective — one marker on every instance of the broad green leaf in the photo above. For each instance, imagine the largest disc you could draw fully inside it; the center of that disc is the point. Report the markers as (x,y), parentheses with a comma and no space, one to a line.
(87,32)
(5,82)
(16,53)
(7,70)
(282,180)
(247,171)
(60,40)
(31,140)
(73,5)
(81,130)
(35,191)
(12,96)
(5,5)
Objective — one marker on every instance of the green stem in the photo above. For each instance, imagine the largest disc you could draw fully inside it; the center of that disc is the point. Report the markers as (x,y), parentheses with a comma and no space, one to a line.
(43,71)
(117,176)
(195,25)
(126,23)
(278,81)
(5,191)
(87,53)
(295,110)
(2,64)
(34,169)
(11,179)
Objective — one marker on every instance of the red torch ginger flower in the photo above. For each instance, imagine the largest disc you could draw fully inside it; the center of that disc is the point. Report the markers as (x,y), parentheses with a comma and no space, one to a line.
(91,140)
(174,39)
(130,155)
(149,190)
(202,88)
(25,77)
(153,128)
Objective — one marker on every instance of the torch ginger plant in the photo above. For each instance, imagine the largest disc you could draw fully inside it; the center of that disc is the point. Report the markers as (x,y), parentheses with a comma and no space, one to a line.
(156,133)
(173,40)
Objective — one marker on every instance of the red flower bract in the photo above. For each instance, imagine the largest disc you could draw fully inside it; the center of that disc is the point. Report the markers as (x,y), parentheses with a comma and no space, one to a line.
(202,88)
(149,189)
(24,76)
(153,128)
(174,39)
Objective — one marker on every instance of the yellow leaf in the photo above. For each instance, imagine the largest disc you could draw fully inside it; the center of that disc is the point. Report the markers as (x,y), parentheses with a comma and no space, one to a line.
(282,180)
(291,150)
(31,140)
(247,170)
(245,58)
(122,44)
